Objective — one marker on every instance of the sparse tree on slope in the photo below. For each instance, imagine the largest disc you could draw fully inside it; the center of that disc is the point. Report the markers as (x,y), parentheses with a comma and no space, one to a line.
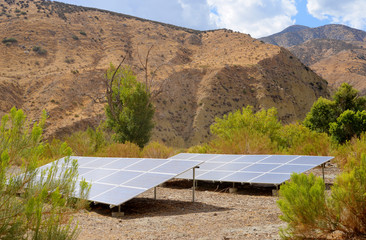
(129,110)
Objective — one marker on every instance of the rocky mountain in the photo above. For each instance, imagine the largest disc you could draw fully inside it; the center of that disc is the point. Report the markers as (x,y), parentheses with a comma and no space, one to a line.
(53,56)
(335,52)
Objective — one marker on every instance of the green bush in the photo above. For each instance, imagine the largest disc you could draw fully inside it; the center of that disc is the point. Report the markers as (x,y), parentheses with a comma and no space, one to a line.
(37,207)
(89,142)
(263,122)
(39,50)
(350,151)
(22,140)
(34,203)
(9,40)
(310,213)
(349,198)
(349,124)
(75,37)
(304,207)
(82,33)
(299,140)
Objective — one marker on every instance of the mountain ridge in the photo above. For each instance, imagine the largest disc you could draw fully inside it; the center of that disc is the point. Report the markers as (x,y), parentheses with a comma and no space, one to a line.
(61,53)
(335,52)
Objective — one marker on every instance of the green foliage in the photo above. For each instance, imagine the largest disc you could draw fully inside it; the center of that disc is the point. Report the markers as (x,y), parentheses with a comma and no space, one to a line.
(39,50)
(75,37)
(34,204)
(9,40)
(310,213)
(40,210)
(334,116)
(350,151)
(297,139)
(264,122)
(89,142)
(322,113)
(303,205)
(129,110)
(22,140)
(348,124)
(347,98)
(349,198)
(246,132)
(82,33)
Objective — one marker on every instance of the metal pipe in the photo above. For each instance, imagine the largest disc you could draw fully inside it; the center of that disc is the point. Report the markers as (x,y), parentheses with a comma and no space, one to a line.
(194,184)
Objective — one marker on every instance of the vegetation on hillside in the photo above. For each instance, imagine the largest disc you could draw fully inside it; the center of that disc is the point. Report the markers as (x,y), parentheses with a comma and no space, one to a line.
(129,110)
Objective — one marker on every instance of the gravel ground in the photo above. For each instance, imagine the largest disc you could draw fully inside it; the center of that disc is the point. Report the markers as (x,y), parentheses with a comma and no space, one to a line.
(250,213)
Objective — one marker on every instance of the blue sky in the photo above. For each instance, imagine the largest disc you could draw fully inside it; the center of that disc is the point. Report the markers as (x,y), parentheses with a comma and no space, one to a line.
(256,17)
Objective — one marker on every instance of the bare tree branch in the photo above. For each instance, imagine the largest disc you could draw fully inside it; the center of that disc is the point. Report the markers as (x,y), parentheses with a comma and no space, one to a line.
(109,87)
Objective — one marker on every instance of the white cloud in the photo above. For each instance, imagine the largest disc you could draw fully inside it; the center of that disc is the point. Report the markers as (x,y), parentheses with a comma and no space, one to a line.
(256,17)
(349,12)
(186,13)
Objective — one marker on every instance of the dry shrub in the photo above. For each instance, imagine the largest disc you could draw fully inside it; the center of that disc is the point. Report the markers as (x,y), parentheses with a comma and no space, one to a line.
(157,150)
(300,140)
(245,143)
(311,213)
(79,143)
(350,150)
(240,142)
(128,150)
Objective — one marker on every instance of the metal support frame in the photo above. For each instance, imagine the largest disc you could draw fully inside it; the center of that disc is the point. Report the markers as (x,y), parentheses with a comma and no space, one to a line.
(119,213)
(194,184)
(154,193)
(323,166)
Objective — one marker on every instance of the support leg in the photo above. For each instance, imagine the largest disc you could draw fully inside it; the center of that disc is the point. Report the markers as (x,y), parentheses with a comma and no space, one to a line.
(194,184)
(119,213)
(154,193)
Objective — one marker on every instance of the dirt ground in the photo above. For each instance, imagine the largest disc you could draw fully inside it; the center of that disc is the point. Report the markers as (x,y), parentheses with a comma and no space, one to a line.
(249,213)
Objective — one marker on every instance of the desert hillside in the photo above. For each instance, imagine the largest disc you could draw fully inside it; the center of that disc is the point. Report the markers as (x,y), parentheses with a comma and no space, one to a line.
(335,52)
(54,55)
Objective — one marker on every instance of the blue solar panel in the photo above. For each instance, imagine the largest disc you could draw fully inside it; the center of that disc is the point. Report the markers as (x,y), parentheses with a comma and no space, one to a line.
(264,169)
(117,180)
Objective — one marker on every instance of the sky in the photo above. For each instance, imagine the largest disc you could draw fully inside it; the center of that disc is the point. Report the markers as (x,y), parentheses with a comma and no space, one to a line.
(258,18)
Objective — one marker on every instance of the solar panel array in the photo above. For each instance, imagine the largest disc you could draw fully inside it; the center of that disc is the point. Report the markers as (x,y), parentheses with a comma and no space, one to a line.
(117,180)
(261,169)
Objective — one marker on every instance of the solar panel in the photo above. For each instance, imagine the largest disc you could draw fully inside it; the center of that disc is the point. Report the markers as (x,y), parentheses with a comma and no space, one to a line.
(117,180)
(261,169)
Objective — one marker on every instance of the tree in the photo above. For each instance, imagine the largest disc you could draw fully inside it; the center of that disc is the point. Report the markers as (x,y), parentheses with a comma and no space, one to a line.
(334,116)
(348,124)
(322,113)
(347,98)
(129,110)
